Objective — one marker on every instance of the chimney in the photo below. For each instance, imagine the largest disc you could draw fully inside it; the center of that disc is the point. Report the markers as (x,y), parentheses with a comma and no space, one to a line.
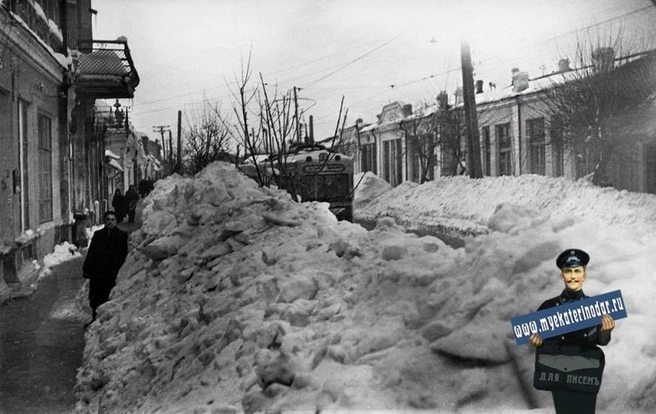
(563,65)
(519,80)
(479,86)
(311,129)
(603,59)
(407,110)
(459,96)
(358,123)
(443,100)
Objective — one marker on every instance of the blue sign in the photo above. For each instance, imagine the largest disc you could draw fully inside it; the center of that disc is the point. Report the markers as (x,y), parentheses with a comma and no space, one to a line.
(568,317)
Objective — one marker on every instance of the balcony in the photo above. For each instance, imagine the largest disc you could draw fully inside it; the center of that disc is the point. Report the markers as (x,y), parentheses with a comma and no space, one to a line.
(105,69)
(39,21)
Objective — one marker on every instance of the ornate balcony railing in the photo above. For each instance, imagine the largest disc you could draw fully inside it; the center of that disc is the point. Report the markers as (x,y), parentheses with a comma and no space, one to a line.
(105,69)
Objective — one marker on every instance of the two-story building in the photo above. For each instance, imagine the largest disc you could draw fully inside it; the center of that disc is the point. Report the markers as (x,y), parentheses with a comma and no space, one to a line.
(50,157)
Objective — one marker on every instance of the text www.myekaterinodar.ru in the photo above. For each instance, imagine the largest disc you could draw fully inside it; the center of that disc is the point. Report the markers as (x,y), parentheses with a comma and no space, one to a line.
(569,317)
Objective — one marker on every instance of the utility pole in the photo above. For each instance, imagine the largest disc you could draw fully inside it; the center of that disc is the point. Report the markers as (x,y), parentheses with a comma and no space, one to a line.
(474,164)
(298,129)
(161,129)
(170,148)
(312,127)
(178,164)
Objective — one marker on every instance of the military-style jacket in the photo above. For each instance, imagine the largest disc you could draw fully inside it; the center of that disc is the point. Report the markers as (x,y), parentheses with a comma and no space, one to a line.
(587,337)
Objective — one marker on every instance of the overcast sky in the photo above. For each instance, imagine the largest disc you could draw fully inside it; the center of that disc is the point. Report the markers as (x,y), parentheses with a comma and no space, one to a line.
(371,52)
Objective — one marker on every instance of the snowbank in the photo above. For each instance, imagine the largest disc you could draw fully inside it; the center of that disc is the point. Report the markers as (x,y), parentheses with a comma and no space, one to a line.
(235,299)
(461,206)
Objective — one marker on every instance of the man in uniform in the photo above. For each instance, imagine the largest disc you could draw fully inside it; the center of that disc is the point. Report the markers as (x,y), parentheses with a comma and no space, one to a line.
(572,264)
(106,254)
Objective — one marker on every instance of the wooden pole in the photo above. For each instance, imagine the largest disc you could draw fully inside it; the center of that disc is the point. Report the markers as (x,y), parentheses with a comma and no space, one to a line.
(298,129)
(474,164)
(178,164)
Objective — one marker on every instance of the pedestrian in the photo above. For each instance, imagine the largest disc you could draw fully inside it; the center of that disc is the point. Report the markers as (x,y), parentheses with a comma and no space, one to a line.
(131,200)
(118,202)
(104,258)
(143,188)
(576,352)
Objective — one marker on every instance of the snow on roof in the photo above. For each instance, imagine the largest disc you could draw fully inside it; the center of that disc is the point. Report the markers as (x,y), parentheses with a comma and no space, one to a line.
(370,127)
(109,153)
(116,165)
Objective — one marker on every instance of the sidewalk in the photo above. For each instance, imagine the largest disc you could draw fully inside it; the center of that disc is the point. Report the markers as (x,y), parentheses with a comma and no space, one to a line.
(41,344)
(42,339)
(29,274)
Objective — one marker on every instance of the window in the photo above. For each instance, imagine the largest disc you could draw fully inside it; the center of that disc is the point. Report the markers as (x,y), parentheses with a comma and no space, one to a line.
(536,145)
(369,158)
(393,162)
(557,145)
(485,137)
(45,169)
(23,159)
(505,149)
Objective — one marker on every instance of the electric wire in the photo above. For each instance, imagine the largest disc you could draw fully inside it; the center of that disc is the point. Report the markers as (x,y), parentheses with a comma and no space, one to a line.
(412,82)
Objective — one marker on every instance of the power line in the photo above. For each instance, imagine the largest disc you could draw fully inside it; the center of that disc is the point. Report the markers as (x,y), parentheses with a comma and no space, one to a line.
(351,62)
(287,69)
(405,84)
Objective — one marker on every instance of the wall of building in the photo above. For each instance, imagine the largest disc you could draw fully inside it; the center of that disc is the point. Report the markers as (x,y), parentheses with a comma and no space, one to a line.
(30,78)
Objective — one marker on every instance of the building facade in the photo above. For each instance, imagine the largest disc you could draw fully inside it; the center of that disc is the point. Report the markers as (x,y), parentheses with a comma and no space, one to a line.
(46,151)
(34,101)
(522,131)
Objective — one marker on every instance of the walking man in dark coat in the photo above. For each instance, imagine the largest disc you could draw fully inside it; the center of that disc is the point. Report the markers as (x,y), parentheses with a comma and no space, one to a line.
(131,200)
(106,254)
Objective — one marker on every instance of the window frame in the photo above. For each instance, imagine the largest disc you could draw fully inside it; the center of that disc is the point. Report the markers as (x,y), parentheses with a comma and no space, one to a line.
(45,148)
(504,151)
(537,145)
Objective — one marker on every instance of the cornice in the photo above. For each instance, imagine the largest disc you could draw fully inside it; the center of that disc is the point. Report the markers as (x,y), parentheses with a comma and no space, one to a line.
(29,48)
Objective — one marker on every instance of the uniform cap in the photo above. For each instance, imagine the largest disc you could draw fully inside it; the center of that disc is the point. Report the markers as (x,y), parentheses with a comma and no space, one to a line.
(572,258)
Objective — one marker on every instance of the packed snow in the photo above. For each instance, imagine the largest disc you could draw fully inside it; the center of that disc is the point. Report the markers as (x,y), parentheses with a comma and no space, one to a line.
(236,299)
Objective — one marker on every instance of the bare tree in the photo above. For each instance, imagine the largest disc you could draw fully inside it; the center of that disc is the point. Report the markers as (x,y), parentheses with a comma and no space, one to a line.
(450,125)
(590,99)
(206,139)
(422,138)
(442,129)
(265,127)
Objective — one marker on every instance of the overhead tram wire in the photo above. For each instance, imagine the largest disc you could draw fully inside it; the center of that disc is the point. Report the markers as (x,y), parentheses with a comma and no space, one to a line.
(540,42)
(596,24)
(327,56)
(338,53)
(410,82)
(350,63)
(608,20)
(341,67)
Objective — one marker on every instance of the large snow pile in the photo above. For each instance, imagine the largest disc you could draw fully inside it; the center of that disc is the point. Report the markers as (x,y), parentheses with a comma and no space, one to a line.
(461,206)
(236,299)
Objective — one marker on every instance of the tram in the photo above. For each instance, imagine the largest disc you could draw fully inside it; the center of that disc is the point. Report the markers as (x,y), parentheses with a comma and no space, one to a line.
(312,172)
(315,173)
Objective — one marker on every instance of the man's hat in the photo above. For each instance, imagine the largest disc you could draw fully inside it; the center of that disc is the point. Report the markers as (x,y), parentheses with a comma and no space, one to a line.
(572,258)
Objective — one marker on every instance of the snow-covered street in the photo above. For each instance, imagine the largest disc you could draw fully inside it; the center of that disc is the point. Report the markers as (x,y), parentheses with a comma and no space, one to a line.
(236,299)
